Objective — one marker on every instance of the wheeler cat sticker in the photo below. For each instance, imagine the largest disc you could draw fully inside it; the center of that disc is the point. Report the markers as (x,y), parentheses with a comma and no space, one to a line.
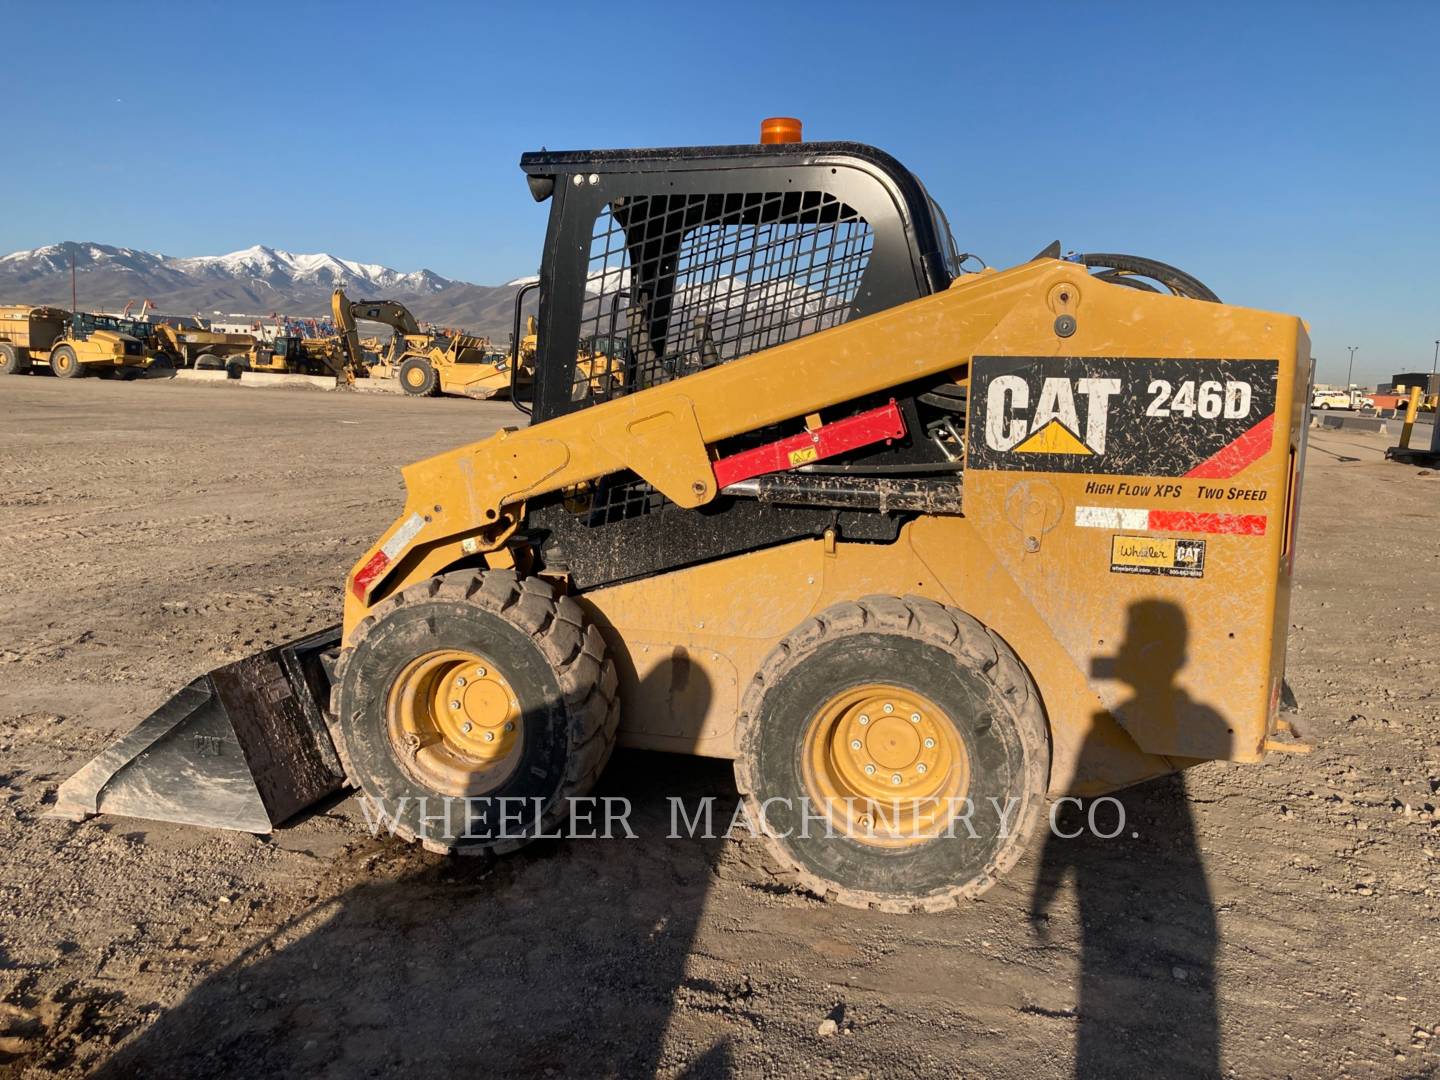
(1163,555)
(1142,417)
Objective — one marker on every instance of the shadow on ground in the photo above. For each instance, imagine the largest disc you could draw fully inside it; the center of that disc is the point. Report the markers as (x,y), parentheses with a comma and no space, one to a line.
(563,959)
(1146,1003)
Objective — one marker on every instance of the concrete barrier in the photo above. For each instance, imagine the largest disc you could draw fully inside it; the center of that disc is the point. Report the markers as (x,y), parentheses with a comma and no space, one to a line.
(1331,422)
(273,379)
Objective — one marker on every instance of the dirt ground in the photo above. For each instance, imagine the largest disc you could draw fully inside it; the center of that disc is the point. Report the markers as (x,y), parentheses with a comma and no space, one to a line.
(1275,920)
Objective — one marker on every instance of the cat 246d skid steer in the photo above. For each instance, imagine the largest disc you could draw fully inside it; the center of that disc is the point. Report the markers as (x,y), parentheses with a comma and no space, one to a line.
(914,546)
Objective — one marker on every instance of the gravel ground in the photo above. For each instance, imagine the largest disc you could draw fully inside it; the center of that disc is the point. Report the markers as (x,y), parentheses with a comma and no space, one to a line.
(1275,920)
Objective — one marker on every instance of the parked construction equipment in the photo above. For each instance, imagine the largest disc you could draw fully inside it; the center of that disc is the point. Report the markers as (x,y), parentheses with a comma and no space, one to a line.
(202,349)
(70,345)
(913,546)
(426,362)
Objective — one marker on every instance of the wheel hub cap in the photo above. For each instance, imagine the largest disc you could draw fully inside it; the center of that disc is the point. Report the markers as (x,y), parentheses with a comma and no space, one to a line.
(454,722)
(885,765)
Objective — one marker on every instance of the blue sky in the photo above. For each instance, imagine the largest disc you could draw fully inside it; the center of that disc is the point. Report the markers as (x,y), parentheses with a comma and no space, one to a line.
(1286,154)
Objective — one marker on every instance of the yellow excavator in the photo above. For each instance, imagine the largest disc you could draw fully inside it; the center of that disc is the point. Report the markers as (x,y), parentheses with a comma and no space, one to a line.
(426,362)
(914,547)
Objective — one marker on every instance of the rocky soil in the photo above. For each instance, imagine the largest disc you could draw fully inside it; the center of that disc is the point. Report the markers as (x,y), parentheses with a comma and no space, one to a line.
(1274,920)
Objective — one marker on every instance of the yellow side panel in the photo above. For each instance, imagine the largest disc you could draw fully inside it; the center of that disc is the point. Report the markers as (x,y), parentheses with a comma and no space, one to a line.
(687,643)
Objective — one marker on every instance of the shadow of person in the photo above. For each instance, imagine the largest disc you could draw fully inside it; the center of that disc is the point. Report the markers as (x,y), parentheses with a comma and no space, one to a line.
(562,959)
(1147,987)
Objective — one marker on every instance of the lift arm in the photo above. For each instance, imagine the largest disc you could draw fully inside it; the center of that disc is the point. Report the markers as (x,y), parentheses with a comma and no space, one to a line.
(469,500)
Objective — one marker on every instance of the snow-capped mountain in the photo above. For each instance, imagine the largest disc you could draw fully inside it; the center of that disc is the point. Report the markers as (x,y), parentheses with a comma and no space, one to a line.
(275,266)
(261,280)
(256,281)
(269,267)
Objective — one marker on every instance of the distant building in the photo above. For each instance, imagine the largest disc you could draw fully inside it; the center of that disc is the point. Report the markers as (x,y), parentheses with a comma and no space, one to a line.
(1401,383)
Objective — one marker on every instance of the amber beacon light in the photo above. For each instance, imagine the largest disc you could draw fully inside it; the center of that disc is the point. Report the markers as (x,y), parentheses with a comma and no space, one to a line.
(779,129)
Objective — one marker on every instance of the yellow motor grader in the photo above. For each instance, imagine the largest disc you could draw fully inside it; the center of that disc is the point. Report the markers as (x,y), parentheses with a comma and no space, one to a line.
(914,547)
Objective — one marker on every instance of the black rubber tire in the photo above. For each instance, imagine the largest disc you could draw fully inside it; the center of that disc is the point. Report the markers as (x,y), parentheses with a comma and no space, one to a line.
(556,662)
(12,360)
(160,367)
(948,657)
(65,364)
(429,386)
(209,362)
(235,367)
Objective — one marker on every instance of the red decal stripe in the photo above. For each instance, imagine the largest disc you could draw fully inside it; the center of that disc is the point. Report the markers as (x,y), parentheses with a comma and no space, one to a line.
(368,573)
(859,430)
(1234,456)
(1189,521)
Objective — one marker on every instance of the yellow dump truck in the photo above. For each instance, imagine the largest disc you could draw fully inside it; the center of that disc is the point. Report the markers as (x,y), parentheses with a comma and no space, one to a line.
(189,347)
(69,345)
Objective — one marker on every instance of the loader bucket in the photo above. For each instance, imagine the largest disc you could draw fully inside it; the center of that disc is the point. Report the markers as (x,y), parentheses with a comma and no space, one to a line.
(244,747)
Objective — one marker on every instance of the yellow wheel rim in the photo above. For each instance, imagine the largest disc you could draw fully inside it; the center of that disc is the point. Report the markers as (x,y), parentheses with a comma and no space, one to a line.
(454,722)
(415,377)
(885,766)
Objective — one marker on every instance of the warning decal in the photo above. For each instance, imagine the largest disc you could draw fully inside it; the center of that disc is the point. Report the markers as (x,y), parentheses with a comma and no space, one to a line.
(1120,415)
(1157,555)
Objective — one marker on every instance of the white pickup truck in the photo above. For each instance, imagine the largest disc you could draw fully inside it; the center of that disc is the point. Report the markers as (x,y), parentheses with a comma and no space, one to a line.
(1331,399)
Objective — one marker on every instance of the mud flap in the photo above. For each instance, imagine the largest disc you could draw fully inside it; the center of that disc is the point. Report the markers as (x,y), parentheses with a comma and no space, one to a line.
(244,747)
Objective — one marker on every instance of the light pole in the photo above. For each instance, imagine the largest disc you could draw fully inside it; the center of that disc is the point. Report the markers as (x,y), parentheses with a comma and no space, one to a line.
(1351,370)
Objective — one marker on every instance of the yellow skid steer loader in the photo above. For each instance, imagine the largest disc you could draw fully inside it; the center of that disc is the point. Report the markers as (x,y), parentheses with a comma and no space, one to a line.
(913,546)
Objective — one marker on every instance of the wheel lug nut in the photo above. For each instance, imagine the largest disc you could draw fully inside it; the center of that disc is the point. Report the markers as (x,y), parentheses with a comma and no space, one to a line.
(855,744)
(455,705)
(510,725)
(869,770)
(479,672)
(489,736)
(889,707)
(914,718)
(929,744)
(920,768)
(460,681)
(896,778)
(864,719)
(465,727)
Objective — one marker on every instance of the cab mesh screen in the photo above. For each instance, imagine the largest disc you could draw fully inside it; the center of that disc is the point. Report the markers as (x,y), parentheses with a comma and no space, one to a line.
(679,283)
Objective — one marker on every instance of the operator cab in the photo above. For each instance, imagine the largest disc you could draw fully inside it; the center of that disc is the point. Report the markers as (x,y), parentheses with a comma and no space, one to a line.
(661,263)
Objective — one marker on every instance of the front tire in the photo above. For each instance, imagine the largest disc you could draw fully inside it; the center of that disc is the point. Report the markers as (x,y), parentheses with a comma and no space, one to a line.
(469,689)
(883,719)
(64,363)
(418,377)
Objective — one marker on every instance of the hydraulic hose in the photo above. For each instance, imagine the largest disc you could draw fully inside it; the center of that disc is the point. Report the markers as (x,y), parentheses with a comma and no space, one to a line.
(1129,269)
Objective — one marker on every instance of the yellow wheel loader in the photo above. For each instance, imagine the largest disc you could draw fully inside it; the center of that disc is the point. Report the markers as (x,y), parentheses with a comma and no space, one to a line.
(914,547)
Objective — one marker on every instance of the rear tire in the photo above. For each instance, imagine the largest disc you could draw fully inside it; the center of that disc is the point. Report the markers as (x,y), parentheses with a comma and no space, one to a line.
(64,363)
(208,362)
(418,377)
(518,640)
(235,367)
(12,361)
(981,714)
